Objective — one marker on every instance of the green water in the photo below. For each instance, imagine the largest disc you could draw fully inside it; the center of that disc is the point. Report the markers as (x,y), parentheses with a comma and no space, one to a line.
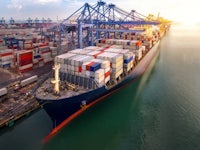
(159,111)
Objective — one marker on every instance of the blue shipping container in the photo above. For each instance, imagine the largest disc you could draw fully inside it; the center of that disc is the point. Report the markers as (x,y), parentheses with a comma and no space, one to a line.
(126,61)
(37,56)
(6,65)
(95,67)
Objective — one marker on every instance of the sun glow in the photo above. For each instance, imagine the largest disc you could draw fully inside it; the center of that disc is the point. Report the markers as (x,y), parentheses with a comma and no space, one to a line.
(188,20)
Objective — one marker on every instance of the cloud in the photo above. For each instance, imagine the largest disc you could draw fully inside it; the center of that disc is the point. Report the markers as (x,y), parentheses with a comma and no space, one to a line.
(19,4)
(43,2)
(15,4)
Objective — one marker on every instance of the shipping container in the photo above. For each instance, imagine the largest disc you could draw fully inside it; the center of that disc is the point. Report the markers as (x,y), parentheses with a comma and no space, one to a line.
(25,68)
(29,80)
(3,91)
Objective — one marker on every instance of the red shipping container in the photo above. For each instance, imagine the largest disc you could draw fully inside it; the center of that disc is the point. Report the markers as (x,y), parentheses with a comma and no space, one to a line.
(22,57)
(25,53)
(79,69)
(43,44)
(25,62)
(89,65)
(47,51)
(26,70)
(41,59)
(95,56)
(103,41)
(107,74)
(31,48)
(5,54)
(25,58)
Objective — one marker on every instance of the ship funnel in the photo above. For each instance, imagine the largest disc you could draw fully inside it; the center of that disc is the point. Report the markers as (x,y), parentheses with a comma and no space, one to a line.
(56,81)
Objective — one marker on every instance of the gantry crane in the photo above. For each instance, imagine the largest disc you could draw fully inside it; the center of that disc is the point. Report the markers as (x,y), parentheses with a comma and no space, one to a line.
(91,22)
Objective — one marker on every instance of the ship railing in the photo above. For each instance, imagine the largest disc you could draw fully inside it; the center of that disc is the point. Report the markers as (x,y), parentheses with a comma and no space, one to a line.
(85,82)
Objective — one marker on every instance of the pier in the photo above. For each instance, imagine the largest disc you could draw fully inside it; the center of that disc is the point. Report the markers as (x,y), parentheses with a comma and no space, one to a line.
(18,102)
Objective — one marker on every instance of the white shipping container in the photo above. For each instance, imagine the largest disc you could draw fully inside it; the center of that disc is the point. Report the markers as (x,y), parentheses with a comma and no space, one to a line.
(6,58)
(35,61)
(94,48)
(114,70)
(99,80)
(93,53)
(105,64)
(25,66)
(87,73)
(29,80)
(143,48)
(106,70)
(4,51)
(60,58)
(118,64)
(76,73)
(107,79)
(84,65)
(76,68)
(117,74)
(117,46)
(48,54)
(46,60)
(5,63)
(3,91)
(99,73)
(127,67)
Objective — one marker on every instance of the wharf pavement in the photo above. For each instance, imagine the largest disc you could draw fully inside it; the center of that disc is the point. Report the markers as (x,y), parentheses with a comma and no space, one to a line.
(18,103)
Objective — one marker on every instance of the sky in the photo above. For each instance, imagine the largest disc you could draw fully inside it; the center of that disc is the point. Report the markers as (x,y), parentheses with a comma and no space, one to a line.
(176,10)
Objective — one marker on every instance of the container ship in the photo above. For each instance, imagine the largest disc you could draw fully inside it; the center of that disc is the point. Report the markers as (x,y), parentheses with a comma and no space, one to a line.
(82,76)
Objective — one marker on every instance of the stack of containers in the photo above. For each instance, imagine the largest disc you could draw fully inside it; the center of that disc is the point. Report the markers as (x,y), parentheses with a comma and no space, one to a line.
(116,63)
(117,46)
(105,65)
(93,48)
(63,60)
(21,43)
(28,45)
(1,42)
(64,46)
(95,53)
(128,57)
(75,64)
(93,70)
(147,42)
(15,44)
(80,51)
(36,57)
(6,58)
(24,60)
(136,48)
(100,42)
(54,51)
(45,53)
(132,45)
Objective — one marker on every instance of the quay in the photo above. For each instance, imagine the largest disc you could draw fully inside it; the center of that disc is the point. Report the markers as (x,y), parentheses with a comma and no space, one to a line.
(18,103)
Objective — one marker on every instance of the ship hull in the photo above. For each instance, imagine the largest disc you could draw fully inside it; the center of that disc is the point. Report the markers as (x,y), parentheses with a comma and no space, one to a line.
(61,109)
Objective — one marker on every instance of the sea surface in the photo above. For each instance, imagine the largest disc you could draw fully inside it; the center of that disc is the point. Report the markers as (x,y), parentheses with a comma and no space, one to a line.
(159,111)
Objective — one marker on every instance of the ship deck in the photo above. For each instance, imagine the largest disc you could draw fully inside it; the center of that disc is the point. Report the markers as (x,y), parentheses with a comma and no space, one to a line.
(45,91)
